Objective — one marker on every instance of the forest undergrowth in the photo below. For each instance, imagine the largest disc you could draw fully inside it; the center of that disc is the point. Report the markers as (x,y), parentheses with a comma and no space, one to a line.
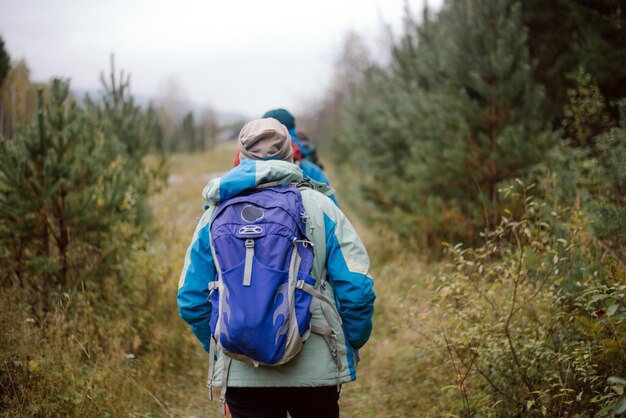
(138,358)
(121,350)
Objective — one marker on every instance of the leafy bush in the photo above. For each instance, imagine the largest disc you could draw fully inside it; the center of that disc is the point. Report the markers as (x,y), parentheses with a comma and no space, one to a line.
(534,320)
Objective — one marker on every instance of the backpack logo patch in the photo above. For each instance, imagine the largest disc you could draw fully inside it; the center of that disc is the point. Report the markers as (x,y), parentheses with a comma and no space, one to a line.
(251,213)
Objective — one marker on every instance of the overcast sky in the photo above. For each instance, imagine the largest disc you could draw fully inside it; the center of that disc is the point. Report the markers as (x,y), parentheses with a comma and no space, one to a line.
(242,56)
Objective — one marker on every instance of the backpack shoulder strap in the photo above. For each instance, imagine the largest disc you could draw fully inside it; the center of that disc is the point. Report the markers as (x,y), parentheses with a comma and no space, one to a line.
(267,185)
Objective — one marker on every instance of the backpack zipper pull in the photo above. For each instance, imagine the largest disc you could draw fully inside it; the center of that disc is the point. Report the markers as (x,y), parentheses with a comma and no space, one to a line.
(305,242)
(307,220)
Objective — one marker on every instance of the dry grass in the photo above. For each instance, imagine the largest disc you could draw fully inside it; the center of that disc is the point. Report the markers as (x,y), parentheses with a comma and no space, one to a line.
(180,204)
(62,369)
(400,372)
(399,365)
(177,210)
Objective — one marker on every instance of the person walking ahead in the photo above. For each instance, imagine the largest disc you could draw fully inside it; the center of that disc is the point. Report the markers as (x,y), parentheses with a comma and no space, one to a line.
(308,166)
(332,275)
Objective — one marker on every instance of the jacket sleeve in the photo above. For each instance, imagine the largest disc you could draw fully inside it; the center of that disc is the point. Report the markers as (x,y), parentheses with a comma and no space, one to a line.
(193,291)
(347,263)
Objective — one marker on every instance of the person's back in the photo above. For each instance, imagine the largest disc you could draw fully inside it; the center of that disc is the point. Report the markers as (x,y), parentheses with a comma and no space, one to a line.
(341,317)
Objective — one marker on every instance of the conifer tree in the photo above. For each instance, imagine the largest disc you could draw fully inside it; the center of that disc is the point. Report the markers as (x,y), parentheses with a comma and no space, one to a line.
(492,90)
(64,201)
(119,116)
(609,210)
(566,34)
(75,186)
(456,116)
(187,135)
(135,133)
(586,114)
(5,61)
(589,162)
(154,130)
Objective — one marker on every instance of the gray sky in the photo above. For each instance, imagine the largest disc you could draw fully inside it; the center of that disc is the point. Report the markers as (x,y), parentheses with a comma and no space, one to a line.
(240,55)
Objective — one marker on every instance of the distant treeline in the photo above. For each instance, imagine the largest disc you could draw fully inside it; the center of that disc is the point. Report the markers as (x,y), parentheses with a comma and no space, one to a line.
(177,128)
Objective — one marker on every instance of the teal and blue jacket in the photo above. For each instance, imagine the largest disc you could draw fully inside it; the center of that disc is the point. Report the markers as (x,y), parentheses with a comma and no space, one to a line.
(310,169)
(339,251)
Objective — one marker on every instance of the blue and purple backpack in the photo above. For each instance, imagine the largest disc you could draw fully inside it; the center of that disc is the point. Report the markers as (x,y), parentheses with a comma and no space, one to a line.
(262,294)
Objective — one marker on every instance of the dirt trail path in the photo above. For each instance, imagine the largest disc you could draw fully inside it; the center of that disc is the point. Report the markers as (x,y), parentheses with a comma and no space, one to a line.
(176,179)
(177,209)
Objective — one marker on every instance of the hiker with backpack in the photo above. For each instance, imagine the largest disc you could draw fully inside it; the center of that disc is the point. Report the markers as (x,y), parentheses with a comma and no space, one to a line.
(309,167)
(275,285)
(310,148)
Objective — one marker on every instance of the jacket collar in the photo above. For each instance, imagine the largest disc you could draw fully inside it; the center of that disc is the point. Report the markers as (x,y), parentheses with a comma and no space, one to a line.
(249,174)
